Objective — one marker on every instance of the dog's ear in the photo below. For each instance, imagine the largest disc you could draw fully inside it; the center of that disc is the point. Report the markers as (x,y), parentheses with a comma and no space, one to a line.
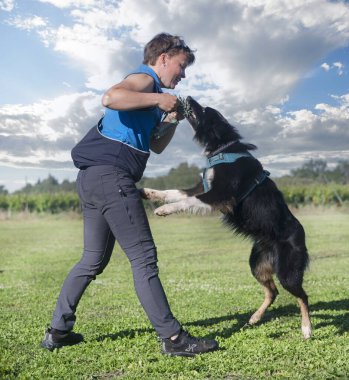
(213,114)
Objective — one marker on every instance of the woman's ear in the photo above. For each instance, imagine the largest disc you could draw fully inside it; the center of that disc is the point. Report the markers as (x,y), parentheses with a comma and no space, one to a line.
(163,59)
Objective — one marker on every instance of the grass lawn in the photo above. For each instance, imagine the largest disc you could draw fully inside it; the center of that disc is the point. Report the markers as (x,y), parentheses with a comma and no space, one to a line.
(204,270)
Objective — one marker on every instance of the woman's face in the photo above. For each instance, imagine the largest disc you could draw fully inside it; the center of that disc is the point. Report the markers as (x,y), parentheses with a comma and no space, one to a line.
(174,70)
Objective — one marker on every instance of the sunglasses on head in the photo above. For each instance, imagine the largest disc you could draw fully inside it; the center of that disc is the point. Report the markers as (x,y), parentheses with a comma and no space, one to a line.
(177,45)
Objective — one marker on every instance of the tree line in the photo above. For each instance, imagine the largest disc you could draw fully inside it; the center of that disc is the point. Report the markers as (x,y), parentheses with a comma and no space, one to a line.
(184,176)
(317,171)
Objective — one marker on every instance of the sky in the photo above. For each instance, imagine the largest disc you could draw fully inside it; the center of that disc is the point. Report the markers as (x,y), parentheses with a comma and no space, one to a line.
(278,70)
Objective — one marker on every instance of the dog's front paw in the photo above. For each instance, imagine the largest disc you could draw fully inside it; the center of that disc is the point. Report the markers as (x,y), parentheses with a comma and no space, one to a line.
(164,210)
(151,194)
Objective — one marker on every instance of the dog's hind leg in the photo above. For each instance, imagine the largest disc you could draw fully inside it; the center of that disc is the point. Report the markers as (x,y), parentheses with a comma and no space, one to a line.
(293,284)
(306,324)
(290,273)
(261,263)
(302,298)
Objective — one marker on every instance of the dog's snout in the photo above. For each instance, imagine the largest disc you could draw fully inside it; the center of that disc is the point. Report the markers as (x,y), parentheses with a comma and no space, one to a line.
(193,103)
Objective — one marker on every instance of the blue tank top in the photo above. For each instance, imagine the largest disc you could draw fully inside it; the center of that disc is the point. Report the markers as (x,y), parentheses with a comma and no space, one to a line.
(134,127)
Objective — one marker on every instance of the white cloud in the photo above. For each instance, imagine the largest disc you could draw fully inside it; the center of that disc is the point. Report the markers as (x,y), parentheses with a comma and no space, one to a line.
(253,51)
(28,23)
(281,164)
(46,131)
(98,42)
(6,5)
(324,129)
(71,3)
(339,67)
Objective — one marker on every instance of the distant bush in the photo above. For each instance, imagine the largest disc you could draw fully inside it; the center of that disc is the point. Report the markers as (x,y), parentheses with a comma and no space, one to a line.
(313,184)
(42,202)
(317,195)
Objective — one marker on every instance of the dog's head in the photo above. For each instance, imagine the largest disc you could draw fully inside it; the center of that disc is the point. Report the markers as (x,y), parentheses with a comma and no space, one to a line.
(212,130)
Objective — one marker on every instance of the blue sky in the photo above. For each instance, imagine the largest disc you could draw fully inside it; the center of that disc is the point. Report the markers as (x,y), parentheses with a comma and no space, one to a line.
(277,69)
(318,85)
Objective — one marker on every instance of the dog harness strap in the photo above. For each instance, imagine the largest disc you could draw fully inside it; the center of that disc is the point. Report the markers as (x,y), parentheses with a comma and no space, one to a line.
(257,181)
(220,149)
(222,158)
(204,181)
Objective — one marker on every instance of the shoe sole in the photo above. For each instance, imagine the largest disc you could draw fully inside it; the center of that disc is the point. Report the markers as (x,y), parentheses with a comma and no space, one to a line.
(186,354)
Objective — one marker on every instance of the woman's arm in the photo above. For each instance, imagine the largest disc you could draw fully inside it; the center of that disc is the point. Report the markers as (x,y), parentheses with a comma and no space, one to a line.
(158,144)
(135,92)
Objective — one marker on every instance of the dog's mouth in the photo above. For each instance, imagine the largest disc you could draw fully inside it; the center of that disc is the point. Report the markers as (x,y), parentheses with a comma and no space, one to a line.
(196,112)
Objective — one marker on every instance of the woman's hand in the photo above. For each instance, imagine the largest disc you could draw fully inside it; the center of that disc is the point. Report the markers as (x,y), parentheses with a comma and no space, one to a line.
(167,102)
(173,117)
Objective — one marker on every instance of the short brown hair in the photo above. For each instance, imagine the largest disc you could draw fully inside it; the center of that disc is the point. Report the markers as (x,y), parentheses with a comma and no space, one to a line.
(166,43)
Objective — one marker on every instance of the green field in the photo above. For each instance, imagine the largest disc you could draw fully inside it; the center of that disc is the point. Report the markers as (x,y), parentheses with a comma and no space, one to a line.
(204,270)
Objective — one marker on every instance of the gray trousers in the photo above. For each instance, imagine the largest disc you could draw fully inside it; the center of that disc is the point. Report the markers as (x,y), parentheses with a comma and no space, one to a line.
(113,209)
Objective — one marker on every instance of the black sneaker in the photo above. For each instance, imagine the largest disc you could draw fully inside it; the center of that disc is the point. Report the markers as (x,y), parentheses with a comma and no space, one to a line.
(54,340)
(187,345)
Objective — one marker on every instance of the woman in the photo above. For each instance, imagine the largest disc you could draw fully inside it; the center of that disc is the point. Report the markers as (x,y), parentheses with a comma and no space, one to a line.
(112,158)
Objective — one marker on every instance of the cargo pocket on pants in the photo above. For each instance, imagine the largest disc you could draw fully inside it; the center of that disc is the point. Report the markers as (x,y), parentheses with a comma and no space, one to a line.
(124,201)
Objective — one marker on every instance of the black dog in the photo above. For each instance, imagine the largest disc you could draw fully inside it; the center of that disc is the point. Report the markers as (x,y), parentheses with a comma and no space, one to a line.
(236,184)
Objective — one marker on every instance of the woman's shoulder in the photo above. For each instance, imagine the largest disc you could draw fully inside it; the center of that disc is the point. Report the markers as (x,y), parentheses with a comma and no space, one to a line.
(144,69)
(138,82)
(147,73)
